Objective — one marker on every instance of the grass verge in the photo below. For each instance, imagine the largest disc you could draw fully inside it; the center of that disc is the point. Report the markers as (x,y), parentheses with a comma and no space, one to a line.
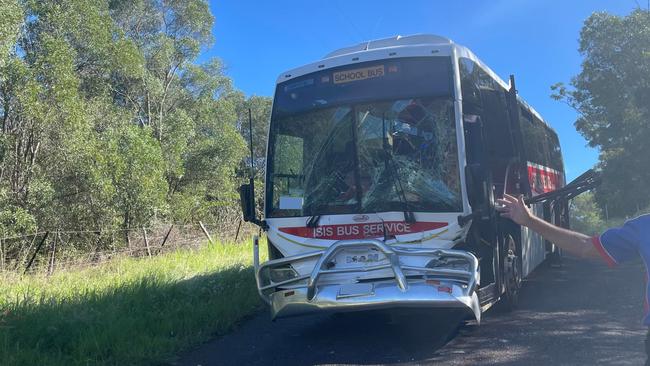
(127,311)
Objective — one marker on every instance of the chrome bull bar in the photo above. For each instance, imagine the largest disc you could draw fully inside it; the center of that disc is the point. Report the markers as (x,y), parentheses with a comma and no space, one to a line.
(302,293)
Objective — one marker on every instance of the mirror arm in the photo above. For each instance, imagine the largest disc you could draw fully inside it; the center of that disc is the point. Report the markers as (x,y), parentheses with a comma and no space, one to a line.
(465,219)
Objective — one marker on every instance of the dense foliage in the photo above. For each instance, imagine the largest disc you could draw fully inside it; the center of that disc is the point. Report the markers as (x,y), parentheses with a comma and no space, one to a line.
(586,216)
(107,119)
(612,94)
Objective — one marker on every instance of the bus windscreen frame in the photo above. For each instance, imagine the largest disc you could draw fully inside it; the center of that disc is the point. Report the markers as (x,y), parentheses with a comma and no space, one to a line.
(415,80)
(402,78)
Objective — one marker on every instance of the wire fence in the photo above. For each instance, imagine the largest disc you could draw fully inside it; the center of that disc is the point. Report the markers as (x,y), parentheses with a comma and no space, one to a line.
(48,251)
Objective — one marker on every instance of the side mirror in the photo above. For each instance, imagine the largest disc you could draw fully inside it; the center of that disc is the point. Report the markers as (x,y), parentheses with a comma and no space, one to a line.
(247,202)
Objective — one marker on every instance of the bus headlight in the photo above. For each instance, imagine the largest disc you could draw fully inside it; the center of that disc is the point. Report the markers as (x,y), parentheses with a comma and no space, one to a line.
(282,274)
(278,274)
(449,263)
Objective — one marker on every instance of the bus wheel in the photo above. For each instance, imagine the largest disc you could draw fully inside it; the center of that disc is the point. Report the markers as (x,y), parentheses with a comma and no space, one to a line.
(554,258)
(511,274)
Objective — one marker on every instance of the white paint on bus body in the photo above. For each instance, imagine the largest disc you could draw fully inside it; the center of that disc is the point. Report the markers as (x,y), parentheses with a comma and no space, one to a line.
(533,247)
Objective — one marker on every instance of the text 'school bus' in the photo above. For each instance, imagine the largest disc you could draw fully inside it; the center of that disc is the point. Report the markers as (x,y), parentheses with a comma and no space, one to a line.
(384,161)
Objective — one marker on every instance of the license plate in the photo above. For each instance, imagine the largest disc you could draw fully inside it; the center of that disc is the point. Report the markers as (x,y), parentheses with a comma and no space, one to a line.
(366,258)
(355,290)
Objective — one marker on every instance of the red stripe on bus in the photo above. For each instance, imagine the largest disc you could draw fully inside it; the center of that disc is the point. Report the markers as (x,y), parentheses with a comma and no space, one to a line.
(543,179)
(361,230)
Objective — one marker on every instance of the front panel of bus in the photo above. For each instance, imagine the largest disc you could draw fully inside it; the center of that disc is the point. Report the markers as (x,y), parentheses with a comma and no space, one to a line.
(358,154)
(365,138)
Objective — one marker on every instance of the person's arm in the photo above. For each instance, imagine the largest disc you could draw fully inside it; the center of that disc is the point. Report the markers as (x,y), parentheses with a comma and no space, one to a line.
(573,242)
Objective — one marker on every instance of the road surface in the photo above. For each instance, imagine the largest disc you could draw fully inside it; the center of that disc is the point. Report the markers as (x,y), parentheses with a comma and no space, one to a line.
(580,314)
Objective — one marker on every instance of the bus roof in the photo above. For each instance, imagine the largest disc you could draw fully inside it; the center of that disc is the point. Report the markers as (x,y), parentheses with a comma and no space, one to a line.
(376,49)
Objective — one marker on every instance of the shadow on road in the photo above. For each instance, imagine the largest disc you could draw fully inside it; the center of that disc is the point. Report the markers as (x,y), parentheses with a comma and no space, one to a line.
(364,338)
(581,314)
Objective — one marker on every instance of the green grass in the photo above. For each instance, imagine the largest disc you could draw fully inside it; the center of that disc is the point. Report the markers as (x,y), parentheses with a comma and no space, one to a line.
(127,311)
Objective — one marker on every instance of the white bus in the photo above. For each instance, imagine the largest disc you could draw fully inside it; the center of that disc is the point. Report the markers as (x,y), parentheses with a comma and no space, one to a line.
(383,163)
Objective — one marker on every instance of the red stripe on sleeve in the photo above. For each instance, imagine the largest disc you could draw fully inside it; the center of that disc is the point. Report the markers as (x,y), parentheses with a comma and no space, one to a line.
(603,252)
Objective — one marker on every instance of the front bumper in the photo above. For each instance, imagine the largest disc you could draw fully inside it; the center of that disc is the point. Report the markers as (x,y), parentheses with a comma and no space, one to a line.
(407,286)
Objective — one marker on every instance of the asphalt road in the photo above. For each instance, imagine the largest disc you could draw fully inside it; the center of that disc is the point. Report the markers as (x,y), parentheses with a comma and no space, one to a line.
(579,314)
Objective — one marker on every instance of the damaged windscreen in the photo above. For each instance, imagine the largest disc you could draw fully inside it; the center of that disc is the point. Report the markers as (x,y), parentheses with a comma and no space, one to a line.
(392,154)
(407,151)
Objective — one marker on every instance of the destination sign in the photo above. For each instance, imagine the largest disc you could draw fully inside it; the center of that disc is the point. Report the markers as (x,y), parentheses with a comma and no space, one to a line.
(358,74)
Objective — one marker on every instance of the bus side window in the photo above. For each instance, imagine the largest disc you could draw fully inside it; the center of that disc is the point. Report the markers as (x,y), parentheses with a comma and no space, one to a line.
(538,149)
(288,155)
(484,101)
(498,137)
(512,185)
(472,109)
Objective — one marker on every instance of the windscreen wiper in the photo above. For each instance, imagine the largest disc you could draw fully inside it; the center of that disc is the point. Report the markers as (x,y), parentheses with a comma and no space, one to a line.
(391,167)
(313,221)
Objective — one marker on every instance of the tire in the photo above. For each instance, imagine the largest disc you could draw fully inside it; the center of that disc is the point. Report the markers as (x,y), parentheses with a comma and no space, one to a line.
(554,259)
(512,269)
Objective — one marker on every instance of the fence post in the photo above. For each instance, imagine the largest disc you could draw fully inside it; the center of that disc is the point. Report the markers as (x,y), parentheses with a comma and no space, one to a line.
(29,249)
(146,241)
(166,237)
(128,239)
(36,251)
(50,268)
(205,231)
(238,227)
(2,252)
(96,257)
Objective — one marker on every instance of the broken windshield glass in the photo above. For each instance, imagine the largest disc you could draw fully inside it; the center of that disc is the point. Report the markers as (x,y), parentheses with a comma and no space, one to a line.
(353,159)
(366,137)
(421,140)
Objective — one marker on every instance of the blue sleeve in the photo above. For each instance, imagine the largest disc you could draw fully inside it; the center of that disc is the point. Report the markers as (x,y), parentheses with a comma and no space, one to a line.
(621,244)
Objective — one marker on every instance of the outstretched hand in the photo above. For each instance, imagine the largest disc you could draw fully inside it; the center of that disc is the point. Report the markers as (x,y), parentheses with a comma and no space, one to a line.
(515,209)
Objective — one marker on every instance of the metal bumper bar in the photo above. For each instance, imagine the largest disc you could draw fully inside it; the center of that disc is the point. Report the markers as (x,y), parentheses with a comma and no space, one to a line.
(436,284)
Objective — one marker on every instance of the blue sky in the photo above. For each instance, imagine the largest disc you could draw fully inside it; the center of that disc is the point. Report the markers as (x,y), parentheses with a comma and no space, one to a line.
(535,40)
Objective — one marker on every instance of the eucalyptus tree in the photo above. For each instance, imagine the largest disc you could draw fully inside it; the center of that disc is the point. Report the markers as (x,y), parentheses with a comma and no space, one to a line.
(612,94)
(108,118)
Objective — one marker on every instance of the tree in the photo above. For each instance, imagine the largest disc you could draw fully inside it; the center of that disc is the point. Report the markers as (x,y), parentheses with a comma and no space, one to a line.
(190,108)
(611,94)
(170,35)
(108,120)
(586,217)
(11,13)
(260,108)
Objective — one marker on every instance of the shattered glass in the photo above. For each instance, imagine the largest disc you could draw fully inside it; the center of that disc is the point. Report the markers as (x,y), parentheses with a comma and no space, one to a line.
(367,158)
(416,138)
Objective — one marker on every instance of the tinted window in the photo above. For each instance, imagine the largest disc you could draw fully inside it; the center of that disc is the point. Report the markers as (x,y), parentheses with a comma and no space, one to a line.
(541,144)
(556,152)
(368,81)
(369,157)
(471,72)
